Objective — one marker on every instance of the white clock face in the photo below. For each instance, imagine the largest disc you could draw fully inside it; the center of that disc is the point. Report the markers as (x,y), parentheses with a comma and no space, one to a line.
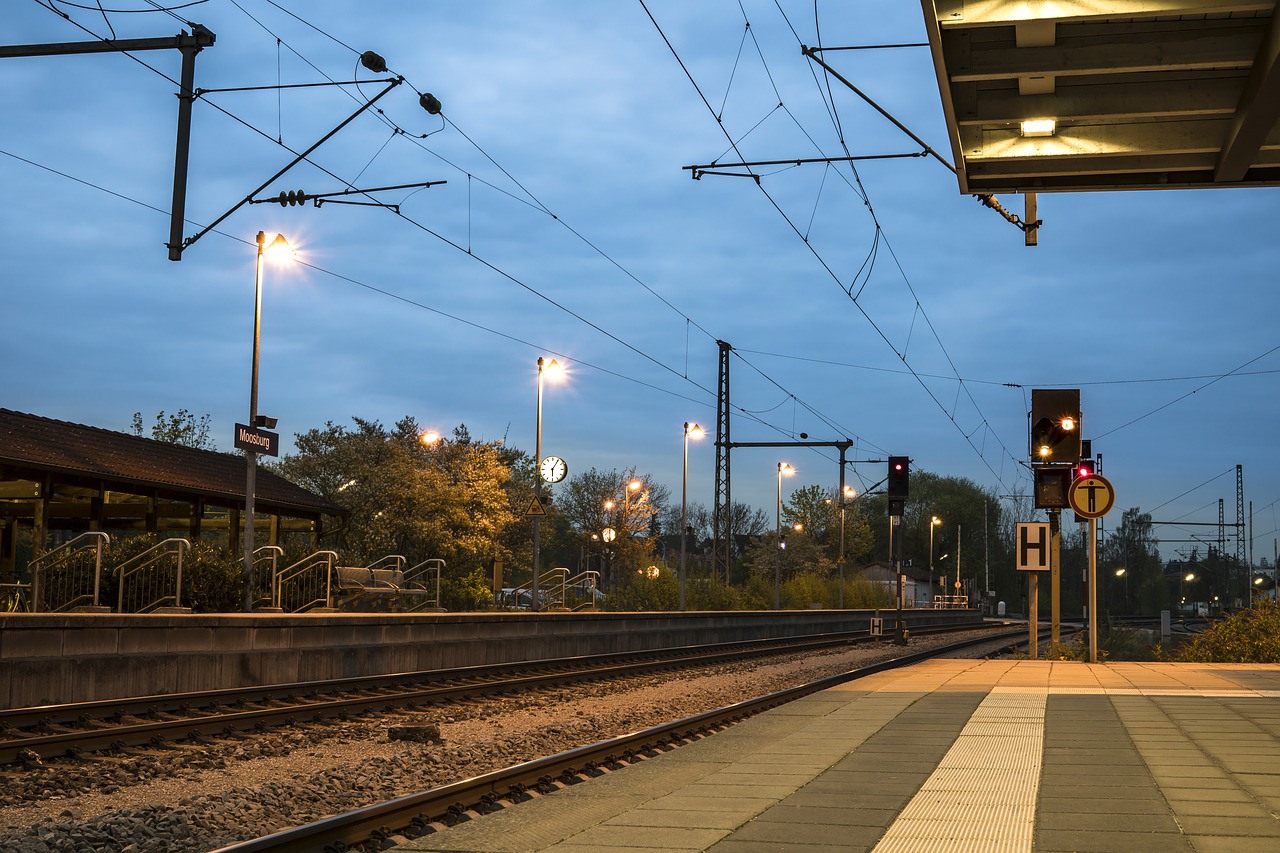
(553,469)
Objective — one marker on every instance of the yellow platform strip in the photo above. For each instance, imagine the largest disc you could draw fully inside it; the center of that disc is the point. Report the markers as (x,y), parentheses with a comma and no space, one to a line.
(982,796)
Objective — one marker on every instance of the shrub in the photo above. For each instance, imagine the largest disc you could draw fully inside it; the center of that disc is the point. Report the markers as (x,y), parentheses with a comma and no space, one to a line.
(1249,636)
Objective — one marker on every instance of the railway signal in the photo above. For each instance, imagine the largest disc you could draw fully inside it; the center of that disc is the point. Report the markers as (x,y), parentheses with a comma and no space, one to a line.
(898,483)
(1055,425)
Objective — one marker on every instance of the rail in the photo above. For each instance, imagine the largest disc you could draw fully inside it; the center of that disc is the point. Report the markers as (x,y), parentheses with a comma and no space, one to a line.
(418,576)
(57,577)
(582,585)
(151,580)
(265,560)
(307,584)
(551,591)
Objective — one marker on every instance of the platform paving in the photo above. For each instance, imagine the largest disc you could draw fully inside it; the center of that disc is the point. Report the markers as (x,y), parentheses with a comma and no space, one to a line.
(950,756)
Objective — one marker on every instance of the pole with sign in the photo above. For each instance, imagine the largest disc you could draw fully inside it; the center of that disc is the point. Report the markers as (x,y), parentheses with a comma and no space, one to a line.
(1092,497)
(1033,556)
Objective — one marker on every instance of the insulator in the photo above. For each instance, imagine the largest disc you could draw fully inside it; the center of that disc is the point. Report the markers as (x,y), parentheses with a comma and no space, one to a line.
(430,103)
(373,62)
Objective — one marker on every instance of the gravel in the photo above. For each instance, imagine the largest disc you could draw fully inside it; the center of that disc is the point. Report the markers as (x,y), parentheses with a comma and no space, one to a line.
(191,799)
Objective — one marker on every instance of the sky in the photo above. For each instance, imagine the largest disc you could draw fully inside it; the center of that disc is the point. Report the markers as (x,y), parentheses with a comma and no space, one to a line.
(872,303)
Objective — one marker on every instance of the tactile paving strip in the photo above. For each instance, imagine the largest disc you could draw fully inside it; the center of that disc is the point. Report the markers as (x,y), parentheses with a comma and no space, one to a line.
(982,797)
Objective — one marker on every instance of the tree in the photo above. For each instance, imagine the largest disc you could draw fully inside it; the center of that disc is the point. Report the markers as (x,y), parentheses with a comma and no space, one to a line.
(594,501)
(451,500)
(182,428)
(818,510)
(1132,546)
(971,517)
(801,554)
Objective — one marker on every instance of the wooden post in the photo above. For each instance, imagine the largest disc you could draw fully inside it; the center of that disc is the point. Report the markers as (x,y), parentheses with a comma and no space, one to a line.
(1033,614)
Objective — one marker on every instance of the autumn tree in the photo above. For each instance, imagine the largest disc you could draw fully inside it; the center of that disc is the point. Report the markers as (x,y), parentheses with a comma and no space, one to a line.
(453,499)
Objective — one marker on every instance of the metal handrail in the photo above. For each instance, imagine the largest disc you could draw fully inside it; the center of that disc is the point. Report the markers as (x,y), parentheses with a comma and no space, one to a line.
(147,559)
(391,561)
(46,563)
(413,573)
(267,556)
(300,569)
(547,581)
(588,582)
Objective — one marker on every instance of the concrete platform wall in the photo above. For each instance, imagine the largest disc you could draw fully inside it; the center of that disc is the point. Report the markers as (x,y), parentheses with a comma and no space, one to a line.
(51,659)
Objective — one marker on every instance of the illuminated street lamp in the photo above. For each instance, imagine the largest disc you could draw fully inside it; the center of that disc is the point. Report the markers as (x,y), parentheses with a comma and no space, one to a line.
(783,468)
(933,522)
(279,249)
(690,431)
(1121,573)
(849,494)
(553,368)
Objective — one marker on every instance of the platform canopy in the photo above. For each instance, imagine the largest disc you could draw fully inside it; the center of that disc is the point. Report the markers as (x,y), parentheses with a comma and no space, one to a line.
(1076,95)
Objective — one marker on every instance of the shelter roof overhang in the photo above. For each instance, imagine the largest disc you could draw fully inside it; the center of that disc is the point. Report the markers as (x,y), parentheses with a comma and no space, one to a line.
(1143,94)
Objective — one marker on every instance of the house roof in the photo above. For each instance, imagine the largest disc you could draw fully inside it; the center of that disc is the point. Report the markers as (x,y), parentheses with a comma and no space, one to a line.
(32,446)
(1146,94)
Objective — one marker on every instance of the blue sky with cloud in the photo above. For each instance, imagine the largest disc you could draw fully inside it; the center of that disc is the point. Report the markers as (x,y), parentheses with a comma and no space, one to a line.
(567,227)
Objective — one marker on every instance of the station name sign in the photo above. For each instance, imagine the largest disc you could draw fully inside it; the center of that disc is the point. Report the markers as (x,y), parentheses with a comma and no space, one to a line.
(256,440)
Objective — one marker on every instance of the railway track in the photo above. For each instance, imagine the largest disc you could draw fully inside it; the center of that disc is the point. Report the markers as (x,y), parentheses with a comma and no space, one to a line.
(379,826)
(29,735)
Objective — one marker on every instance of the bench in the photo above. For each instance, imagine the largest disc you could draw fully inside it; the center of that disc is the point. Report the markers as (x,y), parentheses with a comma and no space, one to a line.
(358,581)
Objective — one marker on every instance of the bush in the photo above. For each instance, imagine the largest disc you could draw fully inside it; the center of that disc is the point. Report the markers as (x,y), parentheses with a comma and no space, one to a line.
(633,591)
(468,592)
(805,590)
(1249,636)
(713,594)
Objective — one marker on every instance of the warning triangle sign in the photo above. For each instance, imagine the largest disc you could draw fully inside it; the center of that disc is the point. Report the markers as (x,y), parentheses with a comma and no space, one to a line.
(535,508)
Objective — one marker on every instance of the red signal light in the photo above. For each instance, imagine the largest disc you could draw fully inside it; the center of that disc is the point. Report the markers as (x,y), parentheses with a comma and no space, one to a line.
(1084,469)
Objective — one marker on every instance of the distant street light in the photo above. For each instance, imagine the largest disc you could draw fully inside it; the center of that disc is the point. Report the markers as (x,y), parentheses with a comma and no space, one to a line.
(690,431)
(279,249)
(783,468)
(933,522)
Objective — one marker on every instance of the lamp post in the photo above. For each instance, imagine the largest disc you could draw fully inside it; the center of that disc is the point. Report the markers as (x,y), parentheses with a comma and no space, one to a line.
(847,495)
(1121,573)
(279,248)
(694,431)
(783,468)
(544,366)
(933,522)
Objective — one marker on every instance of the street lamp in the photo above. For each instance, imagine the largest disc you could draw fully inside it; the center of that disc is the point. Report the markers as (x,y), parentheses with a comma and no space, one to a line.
(783,468)
(1121,573)
(694,431)
(933,522)
(279,249)
(551,367)
(849,494)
